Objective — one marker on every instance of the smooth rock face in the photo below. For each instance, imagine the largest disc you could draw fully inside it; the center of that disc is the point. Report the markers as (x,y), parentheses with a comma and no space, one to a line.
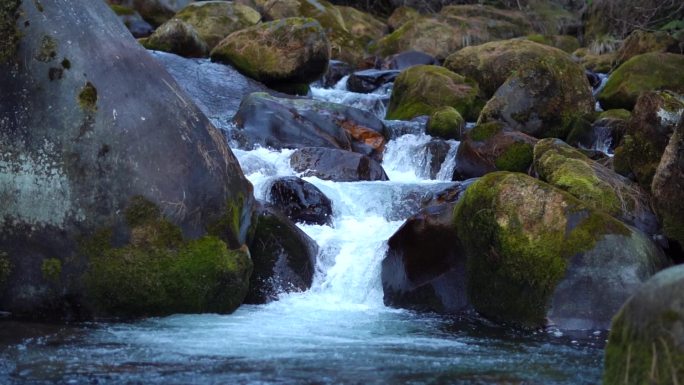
(284,258)
(336,165)
(214,20)
(292,50)
(294,123)
(84,129)
(668,186)
(179,37)
(301,201)
(646,342)
(537,255)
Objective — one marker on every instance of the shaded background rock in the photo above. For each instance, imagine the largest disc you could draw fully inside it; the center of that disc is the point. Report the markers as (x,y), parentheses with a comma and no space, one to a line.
(301,201)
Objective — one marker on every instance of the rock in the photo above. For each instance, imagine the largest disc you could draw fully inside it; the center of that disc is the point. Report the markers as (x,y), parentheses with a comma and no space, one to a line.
(362,25)
(655,116)
(336,71)
(639,42)
(538,256)
(566,43)
(421,90)
(400,16)
(596,186)
(367,81)
(284,258)
(483,23)
(603,18)
(301,201)
(434,36)
(214,20)
(155,12)
(647,72)
(446,123)
(424,268)
(668,186)
(603,133)
(179,37)
(336,165)
(491,64)
(601,63)
(490,147)
(294,123)
(132,20)
(406,59)
(646,342)
(438,150)
(83,147)
(259,51)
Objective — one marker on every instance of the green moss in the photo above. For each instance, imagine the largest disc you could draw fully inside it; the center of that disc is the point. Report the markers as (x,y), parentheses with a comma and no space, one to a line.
(87,97)
(229,224)
(48,49)
(484,131)
(52,270)
(122,10)
(159,272)
(517,157)
(446,123)
(9,12)
(619,113)
(5,269)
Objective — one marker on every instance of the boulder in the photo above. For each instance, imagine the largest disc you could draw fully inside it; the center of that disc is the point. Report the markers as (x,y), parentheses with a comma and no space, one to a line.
(647,72)
(655,117)
(565,43)
(446,123)
(104,160)
(370,80)
(595,185)
(336,165)
(541,99)
(432,35)
(490,147)
(646,341)
(178,37)
(537,256)
(668,187)
(491,64)
(401,15)
(421,90)
(406,59)
(424,268)
(300,201)
(284,258)
(639,42)
(336,71)
(292,50)
(266,120)
(361,25)
(483,23)
(214,20)
(132,20)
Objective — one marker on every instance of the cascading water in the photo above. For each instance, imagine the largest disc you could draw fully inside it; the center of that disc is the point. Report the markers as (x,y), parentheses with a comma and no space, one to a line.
(337,332)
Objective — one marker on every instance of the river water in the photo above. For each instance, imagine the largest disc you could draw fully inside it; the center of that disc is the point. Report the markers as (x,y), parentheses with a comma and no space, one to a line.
(338,332)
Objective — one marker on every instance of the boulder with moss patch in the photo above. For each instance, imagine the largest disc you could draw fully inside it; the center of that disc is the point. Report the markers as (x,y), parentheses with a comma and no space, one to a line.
(490,147)
(362,25)
(446,123)
(655,117)
(69,171)
(602,63)
(177,37)
(214,20)
(646,342)
(286,51)
(538,256)
(668,186)
(423,89)
(640,42)
(566,43)
(595,185)
(647,72)
(401,15)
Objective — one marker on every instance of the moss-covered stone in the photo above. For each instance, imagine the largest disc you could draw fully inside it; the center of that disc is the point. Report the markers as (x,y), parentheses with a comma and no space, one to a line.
(52,270)
(401,15)
(292,50)
(48,49)
(446,123)
(214,20)
(9,12)
(361,25)
(159,272)
(641,42)
(520,234)
(647,72)
(566,43)
(421,90)
(516,158)
(602,63)
(646,342)
(87,97)
(668,187)
(434,36)
(482,132)
(177,37)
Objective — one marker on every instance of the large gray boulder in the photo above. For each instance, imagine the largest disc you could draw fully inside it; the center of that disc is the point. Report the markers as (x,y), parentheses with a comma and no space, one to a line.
(105,161)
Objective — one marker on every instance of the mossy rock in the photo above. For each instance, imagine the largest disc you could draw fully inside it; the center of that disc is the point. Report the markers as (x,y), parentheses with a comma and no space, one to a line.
(177,37)
(486,23)
(536,254)
(214,20)
(602,63)
(423,89)
(160,273)
(491,147)
(566,43)
(619,19)
(653,120)
(491,64)
(432,35)
(647,72)
(362,25)
(292,50)
(542,99)
(596,186)
(401,15)
(646,342)
(641,42)
(668,187)
(446,123)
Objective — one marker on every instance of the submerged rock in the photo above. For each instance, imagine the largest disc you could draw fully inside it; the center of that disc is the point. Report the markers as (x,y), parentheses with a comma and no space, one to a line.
(301,201)
(538,256)
(336,165)
(646,342)
(83,146)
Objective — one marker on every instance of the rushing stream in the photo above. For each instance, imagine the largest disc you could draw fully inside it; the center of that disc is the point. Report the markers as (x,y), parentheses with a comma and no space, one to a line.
(339,332)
